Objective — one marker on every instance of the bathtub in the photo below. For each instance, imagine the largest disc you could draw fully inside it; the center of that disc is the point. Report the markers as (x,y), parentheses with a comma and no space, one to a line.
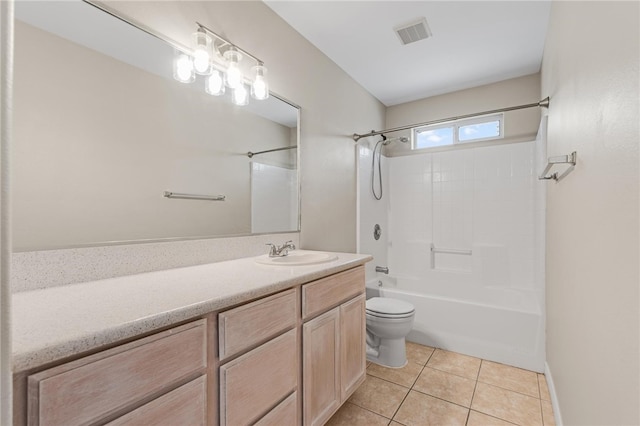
(498,324)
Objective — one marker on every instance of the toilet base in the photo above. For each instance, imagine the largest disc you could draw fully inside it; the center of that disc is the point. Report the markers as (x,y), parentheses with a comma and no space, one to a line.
(391,353)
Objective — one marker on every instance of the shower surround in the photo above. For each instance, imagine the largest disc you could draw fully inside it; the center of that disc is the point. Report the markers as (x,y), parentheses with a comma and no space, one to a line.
(483,207)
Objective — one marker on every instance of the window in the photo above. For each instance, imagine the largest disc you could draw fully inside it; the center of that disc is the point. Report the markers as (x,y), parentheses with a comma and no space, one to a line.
(460,131)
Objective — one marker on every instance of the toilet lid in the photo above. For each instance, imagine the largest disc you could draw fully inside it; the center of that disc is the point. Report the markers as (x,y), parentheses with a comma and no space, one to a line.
(388,306)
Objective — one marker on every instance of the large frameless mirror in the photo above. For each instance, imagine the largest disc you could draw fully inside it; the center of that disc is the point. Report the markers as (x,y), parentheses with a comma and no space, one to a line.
(108,147)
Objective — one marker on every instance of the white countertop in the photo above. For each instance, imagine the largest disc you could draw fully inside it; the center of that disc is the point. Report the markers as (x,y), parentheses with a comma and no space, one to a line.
(59,322)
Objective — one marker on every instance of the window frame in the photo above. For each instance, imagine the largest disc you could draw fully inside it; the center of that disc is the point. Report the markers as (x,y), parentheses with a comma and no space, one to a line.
(456,125)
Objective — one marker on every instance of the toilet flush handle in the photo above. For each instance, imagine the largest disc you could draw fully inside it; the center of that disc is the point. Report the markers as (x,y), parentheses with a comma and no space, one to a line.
(383,269)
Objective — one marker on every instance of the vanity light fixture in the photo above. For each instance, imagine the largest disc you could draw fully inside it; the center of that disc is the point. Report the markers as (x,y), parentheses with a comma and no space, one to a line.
(233,76)
(260,87)
(240,96)
(202,52)
(183,69)
(216,58)
(214,85)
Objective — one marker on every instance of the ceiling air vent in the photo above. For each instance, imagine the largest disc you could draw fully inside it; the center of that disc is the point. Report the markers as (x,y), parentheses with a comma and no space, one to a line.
(414,31)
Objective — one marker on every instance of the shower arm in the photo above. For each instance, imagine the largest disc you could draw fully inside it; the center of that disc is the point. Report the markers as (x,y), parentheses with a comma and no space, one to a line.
(543,104)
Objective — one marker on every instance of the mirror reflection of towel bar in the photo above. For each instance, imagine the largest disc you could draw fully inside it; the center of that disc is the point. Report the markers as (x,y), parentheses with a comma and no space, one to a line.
(169,194)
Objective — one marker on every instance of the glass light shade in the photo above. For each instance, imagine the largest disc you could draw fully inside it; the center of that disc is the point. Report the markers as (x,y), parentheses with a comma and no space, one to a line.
(233,75)
(214,84)
(202,52)
(240,95)
(259,86)
(183,70)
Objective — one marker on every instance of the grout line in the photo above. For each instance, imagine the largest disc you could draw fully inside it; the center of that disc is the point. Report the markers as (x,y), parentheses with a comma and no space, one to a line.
(398,409)
(473,394)
(410,389)
(540,395)
(441,399)
(507,389)
(493,417)
(366,409)
(453,374)
(386,380)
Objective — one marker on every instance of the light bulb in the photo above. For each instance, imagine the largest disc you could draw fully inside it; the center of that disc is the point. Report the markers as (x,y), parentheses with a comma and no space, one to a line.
(260,87)
(233,75)
(202,52)
(240,96)
(214,85)
(183,68)
(201,61)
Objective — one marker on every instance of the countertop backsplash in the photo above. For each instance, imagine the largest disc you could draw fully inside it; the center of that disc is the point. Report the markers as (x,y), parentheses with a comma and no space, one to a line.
(50,268)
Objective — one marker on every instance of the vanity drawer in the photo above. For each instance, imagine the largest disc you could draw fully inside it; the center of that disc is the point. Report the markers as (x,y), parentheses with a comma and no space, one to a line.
(248,325)
(252,384)
(285,413)
(91,388)
(186,405)
(322,295)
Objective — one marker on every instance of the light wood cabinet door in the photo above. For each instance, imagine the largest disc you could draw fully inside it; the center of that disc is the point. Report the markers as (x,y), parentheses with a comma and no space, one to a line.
(284,414)
(186,405)
(248,325)
(101,385)
(254,383)
(321,367)
(353,356)
(327,293)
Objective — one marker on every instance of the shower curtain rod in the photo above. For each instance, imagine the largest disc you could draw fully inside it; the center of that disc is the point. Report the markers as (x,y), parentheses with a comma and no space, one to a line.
(543,103)
(251,154)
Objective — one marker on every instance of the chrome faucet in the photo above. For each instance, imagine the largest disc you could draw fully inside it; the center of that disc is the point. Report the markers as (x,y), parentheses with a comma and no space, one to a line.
(281,251)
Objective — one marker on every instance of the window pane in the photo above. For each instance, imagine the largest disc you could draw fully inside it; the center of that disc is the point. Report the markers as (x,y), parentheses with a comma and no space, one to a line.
(436,137)
(472,132)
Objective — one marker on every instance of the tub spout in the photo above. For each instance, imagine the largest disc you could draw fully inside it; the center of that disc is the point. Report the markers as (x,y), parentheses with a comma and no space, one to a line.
(383,269)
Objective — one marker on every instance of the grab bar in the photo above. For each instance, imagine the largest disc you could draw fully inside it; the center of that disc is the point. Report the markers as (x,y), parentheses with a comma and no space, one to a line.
(435,250)
(169,194)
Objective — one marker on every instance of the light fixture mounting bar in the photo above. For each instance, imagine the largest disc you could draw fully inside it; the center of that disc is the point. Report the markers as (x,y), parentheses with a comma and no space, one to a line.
(219,37)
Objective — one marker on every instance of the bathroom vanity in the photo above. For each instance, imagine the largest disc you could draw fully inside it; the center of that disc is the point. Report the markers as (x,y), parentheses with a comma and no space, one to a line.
(228,343)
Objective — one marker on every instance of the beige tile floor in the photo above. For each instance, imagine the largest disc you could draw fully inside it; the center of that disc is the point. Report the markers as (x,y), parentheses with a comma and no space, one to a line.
(438,387)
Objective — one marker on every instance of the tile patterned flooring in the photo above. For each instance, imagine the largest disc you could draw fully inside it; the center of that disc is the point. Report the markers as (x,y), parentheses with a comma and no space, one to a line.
(438,387)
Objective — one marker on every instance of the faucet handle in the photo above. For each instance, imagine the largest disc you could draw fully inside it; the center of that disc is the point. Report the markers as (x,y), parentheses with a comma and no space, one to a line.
(273,250)
(289,244)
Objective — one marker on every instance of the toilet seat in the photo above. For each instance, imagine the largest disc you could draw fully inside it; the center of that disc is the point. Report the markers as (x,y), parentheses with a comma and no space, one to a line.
(385,307)
(389,316)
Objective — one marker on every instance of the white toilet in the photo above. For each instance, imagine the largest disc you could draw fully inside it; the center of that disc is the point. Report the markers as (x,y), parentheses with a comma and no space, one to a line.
(388,323)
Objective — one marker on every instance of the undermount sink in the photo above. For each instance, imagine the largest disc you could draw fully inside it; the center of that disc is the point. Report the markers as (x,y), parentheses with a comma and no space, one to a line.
(298,258)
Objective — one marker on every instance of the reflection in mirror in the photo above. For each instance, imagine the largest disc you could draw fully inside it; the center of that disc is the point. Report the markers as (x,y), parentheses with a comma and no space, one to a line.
(102,130)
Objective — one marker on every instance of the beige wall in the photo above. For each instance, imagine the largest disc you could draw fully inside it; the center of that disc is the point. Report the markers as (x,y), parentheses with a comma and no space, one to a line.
(519,126)
(333,105)
(590,71)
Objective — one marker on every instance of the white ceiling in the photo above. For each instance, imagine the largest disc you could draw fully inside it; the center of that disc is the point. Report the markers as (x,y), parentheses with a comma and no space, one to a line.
(473,42)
